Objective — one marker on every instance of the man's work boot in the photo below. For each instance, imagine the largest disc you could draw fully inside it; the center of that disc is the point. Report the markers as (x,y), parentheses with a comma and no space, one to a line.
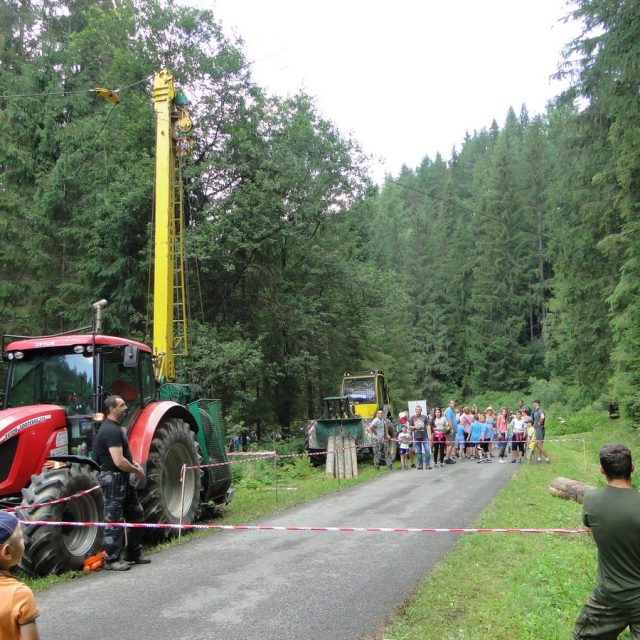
(118,565)
(139,559)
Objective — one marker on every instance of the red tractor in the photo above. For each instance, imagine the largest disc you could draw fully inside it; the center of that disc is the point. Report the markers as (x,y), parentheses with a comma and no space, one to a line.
(54,387)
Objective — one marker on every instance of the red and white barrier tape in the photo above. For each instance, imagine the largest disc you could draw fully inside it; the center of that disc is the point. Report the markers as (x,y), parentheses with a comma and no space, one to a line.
(510,440)
(248,527)
(257,454)
(37,505)
(277,456)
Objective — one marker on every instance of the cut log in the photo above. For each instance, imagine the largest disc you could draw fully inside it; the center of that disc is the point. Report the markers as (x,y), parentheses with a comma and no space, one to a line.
(339,456)
(341,461)
(330,469)
(354,457)
(568,489)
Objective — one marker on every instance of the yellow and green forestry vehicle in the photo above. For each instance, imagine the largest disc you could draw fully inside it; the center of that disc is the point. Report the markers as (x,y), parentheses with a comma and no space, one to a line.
(363,393)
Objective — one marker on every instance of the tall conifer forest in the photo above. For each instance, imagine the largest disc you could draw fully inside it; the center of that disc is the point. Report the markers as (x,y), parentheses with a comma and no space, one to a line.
(511,265)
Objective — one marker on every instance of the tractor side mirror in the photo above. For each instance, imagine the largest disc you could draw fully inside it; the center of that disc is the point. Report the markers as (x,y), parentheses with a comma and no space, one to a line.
(130,357)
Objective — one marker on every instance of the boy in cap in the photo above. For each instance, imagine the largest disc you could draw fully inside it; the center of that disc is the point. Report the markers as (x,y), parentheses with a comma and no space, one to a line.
(18,609)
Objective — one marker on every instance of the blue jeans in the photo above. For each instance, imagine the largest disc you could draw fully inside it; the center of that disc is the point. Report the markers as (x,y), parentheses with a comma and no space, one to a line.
(420,446)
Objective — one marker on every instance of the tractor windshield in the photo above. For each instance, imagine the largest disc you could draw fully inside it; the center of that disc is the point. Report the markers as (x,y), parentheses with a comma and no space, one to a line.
(65,379)
(360,390)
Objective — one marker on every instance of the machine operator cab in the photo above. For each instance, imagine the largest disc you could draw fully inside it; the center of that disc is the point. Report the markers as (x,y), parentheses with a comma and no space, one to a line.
(367,391)
(77,373)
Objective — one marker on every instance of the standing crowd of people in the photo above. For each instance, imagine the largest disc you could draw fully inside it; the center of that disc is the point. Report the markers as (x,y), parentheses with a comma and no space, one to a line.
(449,436)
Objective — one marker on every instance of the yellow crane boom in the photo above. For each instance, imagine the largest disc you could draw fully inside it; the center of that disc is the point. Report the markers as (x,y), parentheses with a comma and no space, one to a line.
(169,299)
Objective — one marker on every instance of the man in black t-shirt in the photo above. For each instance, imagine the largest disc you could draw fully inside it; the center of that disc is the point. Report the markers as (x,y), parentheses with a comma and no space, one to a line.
(111,451)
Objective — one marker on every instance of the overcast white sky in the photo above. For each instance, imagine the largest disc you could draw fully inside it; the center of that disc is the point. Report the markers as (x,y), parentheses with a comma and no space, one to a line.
(406,78)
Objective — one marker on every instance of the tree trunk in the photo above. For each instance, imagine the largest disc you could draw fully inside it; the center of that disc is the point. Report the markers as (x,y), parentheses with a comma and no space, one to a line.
(568,489)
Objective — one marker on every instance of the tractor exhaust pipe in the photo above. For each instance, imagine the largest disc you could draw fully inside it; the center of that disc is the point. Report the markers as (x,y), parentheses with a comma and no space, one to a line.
(97,308)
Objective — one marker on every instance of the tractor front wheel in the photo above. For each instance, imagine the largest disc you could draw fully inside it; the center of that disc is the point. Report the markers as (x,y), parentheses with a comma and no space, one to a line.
(173,446)
(56,549)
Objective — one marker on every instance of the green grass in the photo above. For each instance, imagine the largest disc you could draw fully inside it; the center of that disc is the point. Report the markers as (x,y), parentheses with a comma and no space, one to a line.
(518,586)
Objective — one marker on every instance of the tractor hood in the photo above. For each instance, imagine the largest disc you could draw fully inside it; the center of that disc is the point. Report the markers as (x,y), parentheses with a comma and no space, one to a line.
(28,435)
(14,422)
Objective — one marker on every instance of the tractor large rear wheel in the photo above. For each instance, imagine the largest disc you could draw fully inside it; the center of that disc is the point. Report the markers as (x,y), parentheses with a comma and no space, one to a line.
(59,548)
(173,446)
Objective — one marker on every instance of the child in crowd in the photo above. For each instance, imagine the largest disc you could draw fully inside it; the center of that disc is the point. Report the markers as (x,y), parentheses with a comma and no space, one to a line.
(466,419)
(404,439)
(502,427)
(486,437)
(461,436)
(491,432)
(517,426)
(531,440)
(475,436)
(18,609)
(403,418)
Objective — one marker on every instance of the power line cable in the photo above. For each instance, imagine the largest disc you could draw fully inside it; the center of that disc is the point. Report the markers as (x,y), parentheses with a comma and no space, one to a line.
(546,238)
(71,92)
(485,215)
(89,149)
(148,78)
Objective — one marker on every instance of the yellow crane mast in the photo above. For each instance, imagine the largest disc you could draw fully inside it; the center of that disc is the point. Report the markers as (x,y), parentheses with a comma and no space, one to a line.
(169,299)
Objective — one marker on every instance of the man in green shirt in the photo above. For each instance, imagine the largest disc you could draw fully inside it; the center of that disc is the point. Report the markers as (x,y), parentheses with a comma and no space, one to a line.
(613,515)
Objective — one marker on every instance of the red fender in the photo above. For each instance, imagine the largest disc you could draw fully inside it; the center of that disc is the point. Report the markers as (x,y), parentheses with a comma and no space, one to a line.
(141,433)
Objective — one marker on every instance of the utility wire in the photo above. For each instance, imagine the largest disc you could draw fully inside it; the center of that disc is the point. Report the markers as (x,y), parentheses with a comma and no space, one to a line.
(248,63)
(89,149)
(485,215)
(45,93)
(64,93)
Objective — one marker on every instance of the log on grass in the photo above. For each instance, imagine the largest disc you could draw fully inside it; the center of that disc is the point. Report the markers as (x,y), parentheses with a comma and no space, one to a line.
(568,489)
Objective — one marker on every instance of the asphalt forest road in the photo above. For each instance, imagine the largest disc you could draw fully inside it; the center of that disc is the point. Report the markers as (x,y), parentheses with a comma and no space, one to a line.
(267,585)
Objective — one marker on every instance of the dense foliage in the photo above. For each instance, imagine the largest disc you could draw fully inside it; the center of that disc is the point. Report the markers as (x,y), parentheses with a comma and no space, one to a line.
(515,261)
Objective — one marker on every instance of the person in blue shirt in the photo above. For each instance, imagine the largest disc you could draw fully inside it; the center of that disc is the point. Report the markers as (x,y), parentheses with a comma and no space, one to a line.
(452,433)
(475,435)
(491,436)
(460,440)
(486,434)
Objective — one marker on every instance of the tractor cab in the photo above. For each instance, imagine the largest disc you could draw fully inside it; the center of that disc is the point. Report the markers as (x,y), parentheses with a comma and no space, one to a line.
(76,373)
(368,392)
